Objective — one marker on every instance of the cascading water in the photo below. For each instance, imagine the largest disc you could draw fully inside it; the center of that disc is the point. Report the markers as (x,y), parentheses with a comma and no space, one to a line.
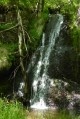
(40,80)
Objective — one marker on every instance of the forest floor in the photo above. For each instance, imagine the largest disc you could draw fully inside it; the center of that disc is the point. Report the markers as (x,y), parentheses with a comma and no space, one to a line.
(40,114)
(54,113)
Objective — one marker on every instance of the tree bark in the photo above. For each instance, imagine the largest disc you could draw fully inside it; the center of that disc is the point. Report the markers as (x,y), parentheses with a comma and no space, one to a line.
(40,6)
(21,37)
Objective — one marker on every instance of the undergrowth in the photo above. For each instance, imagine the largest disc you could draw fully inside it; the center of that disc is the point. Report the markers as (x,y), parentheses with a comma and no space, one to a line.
(12,110)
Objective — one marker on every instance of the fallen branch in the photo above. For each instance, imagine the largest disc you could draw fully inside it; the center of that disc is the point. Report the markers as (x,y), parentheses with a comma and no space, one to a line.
(13,74)
(9,28)
(14,53)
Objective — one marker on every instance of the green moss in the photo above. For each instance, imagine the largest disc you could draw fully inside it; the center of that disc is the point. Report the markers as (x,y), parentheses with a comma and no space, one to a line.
(35,29)
(6,25)
(4,58)
(75,35)
(6,55)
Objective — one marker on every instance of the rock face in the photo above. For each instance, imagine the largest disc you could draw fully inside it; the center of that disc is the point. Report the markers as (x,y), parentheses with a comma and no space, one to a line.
(54,59)
(62,60)
(6,68)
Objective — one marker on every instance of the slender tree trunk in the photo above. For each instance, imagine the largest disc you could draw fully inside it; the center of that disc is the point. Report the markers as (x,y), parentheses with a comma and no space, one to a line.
(40,6)
(21,37)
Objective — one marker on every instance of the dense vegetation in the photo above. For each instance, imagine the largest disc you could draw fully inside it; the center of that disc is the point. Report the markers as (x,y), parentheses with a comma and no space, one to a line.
(34,16)
(11,110)
(21,25)
(14,110)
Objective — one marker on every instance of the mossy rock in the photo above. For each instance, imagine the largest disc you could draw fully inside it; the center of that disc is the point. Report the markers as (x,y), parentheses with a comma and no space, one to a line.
(6,57)
(4,63)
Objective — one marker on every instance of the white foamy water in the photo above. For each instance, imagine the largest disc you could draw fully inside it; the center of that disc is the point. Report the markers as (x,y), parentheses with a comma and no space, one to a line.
(41,80)
(39,105)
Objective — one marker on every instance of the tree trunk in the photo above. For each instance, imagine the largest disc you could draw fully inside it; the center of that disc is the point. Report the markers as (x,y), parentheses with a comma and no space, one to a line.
(21,37)
(40,6)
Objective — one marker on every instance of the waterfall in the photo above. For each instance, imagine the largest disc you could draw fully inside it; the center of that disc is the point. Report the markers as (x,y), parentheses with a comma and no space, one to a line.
(38,67)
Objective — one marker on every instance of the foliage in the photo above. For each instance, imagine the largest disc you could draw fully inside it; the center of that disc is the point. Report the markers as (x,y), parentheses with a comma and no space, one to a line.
(75,33)
(4,58)
(63,114)
(35,24)
(12,110)
(52,114)
(4,1)
(6,26)
(69,10)
(35,29)
(8,52)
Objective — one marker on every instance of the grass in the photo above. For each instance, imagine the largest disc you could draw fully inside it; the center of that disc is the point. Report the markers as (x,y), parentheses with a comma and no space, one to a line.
(58,115)
(51,114)
(12,110)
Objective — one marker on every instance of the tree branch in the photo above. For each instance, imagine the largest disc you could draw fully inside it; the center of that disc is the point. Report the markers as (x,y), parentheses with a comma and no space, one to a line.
(9,28)
(28,36)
